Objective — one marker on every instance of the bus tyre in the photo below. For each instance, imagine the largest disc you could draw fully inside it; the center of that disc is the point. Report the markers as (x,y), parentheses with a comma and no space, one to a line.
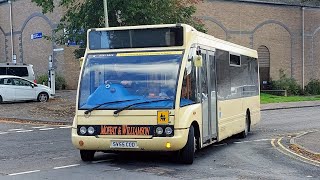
(186,154)
(87,155)
(244,133)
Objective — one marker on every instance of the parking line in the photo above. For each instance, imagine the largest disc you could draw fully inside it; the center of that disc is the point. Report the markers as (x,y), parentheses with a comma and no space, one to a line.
(65,127)
(45,129)
(4,133)
(39,127)
(27,172)
(15,130)
(24,131)
(62,167)
(257,140)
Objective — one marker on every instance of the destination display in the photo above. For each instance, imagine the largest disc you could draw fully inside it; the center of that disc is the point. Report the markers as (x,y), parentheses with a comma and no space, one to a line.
(136,38)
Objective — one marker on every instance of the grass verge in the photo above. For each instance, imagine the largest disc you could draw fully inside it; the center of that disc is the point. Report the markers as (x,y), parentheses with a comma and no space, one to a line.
(268,98)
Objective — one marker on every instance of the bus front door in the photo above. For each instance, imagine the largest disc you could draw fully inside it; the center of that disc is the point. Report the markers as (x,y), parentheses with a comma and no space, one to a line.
(207,89)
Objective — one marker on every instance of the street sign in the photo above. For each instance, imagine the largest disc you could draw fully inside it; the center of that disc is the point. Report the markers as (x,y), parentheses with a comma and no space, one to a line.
(58,49)
(37,35)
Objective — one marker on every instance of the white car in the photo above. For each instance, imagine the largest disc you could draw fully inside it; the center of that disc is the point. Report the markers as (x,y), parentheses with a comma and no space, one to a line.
(14,88)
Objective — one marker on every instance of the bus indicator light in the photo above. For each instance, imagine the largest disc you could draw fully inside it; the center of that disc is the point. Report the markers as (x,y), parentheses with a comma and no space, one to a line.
(168,145)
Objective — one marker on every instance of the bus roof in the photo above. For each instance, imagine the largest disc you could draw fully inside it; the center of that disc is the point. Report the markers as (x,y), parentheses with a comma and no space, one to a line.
(205,39)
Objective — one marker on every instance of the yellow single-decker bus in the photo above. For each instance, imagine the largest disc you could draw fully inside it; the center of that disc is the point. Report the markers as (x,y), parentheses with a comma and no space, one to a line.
(163,88)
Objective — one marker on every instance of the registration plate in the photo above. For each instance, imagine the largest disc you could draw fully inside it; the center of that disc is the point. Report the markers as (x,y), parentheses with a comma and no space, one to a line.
(124,144)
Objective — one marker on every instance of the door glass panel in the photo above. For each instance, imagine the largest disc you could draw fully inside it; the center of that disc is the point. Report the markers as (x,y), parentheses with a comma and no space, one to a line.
(204,97)
(213,99)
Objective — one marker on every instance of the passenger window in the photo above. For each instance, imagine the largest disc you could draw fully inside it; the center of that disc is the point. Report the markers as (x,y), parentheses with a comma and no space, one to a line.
(3,71)
(18,71)
(7,81)
(21,82)
(188,90)
(1,81)
(235,60)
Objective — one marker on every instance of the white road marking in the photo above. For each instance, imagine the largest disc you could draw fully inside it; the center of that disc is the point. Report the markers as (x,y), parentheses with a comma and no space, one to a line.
(258,140)
(101,161)
(45,129)
(62,167)
(15,130)
(39,127)
(27,172)
(4,133)
(65,127)
(59,158)
(24,131)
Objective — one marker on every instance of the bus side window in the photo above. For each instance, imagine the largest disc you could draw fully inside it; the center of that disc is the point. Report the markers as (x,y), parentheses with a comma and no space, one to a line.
(188,94)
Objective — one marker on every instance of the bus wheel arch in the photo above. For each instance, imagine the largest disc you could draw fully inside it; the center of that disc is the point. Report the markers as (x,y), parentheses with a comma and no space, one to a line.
(186,154)
(87,155)
(247,125)
(248,117)
(196,134)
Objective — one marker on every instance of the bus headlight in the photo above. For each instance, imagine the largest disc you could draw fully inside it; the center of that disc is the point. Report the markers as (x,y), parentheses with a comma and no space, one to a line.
(168,130)
(159,130)
(90,130)
(83,130)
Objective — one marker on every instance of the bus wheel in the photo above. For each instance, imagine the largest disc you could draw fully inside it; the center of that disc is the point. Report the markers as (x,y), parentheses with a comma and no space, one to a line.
(87,155)
(244,133)
(186,154)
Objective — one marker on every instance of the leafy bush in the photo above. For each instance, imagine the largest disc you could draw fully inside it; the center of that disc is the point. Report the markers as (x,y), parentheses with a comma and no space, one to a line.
(313,87)
(285,83)
(60,81)
(42,79)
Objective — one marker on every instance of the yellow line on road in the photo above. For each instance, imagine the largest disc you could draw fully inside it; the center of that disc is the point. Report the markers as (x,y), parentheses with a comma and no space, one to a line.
(293,154)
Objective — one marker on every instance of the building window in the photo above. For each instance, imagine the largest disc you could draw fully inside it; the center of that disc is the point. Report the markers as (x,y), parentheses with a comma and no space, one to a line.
(264,67)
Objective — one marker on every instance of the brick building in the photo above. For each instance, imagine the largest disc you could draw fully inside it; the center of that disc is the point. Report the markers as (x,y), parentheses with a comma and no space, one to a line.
(27,19)
(286,34)
(273,27)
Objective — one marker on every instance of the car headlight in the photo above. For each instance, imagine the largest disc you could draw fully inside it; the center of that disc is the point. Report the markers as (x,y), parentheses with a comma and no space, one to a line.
(168,130)
(83,130)
(90,130)
(159,130)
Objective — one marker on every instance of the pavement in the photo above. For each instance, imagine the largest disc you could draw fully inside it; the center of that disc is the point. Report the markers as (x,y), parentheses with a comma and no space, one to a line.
(61,110)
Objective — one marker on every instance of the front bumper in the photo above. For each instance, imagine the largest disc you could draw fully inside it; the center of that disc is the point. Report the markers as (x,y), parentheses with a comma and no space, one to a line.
(103,143)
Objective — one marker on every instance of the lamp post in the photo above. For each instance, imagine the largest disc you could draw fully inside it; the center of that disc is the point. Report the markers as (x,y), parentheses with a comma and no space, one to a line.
(11,33)
(105,5)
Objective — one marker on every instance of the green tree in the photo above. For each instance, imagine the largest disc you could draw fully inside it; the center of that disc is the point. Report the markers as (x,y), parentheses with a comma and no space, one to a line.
(316,2)
(81,15)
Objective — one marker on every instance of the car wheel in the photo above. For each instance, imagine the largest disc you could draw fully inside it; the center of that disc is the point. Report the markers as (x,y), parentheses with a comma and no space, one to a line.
(43,97)
(186,154)
(87,155)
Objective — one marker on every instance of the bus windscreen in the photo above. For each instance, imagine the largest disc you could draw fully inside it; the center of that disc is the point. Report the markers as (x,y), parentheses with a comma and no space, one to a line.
(136,38)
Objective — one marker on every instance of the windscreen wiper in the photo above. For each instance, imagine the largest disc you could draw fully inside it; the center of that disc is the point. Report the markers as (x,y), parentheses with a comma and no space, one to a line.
(109,102)
(144,102)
